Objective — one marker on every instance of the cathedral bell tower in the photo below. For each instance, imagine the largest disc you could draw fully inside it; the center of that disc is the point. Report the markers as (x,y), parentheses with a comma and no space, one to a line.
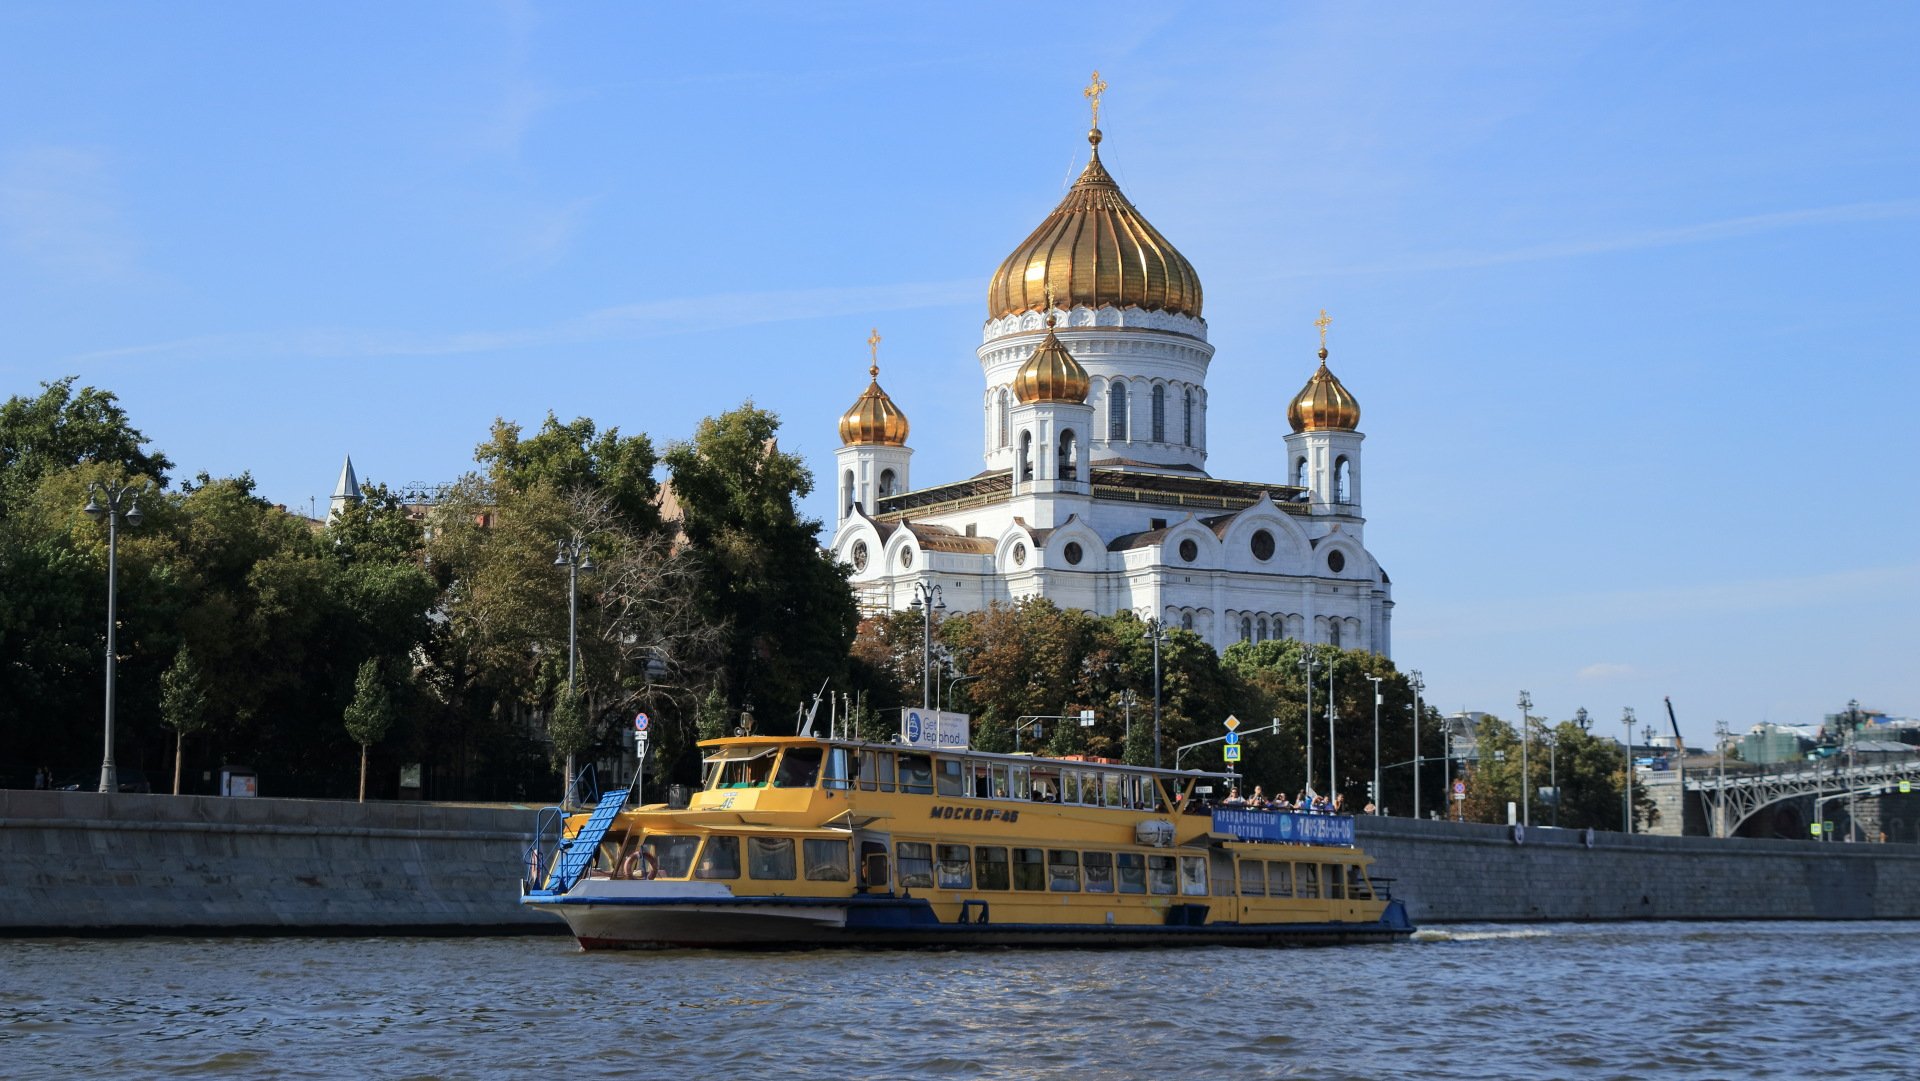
(1323,453)
(873,455)
(1051,423)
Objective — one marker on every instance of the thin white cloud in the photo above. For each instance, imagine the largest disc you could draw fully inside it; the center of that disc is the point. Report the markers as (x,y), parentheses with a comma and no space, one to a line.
(59,209)
(1605,670)
(647,319)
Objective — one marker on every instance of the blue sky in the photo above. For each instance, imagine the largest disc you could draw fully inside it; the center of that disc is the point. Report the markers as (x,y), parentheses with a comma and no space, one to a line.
(1627,292)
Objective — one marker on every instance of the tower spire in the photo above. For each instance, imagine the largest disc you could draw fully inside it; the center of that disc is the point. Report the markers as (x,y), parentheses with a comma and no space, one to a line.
(1323,323)
(1095,88)
(873,352)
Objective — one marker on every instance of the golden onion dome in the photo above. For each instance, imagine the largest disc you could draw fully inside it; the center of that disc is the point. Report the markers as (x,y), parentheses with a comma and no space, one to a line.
(1324,403)
(1096,250)
(874,418)
(1051,374)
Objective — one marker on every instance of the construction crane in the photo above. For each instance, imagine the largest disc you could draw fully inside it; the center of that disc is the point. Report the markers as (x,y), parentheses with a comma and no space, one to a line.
(1680,762)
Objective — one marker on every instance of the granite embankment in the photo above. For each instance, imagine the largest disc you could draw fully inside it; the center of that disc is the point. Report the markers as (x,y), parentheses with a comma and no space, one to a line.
(87,863)
(1450,871)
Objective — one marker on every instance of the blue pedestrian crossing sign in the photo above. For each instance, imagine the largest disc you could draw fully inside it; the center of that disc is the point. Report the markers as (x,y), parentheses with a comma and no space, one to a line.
(1232,751)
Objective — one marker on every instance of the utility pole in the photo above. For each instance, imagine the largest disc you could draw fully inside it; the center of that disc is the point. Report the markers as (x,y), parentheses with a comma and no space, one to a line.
(1526,777)
(1376,741)
(1419,685)
(1307,664)
(1626,718)
(1721,733)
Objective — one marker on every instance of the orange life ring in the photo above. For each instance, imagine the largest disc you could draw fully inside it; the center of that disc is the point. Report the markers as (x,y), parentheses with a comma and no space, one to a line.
(640,864)
(533,866)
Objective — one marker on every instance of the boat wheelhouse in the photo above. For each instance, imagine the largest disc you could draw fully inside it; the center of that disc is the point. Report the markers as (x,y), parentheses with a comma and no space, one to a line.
(803,841)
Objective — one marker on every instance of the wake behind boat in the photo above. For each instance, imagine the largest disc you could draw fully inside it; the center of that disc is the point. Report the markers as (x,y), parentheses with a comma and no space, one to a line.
(803,841)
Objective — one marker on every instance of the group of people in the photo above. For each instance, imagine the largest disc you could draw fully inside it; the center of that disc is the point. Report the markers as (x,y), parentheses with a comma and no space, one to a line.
(1307,802)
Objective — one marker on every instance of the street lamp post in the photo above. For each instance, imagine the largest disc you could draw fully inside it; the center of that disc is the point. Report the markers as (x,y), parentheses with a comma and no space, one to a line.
(572,554)
(1721,732)
(1553,772)
(1419,686)
(1376,741)
(1626,718)
(1526,776)
(1156,634)
(1333,774)
(927,600)
(118,496)
(1853,726)
(1307,665)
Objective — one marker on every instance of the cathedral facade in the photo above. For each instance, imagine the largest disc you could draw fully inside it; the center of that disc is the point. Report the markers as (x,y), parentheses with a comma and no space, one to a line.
(1095,492)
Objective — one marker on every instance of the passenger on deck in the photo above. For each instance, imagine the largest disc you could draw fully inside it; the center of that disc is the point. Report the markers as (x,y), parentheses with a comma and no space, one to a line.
(1233,799)
(1258,800)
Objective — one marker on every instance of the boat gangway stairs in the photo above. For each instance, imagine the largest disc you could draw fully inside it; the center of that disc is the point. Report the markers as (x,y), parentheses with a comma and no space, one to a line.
(577,852)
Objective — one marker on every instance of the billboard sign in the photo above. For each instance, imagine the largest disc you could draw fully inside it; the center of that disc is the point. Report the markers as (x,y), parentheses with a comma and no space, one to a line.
(933,728)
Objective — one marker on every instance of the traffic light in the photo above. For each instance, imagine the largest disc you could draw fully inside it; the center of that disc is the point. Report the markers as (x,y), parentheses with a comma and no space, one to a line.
(1373,793)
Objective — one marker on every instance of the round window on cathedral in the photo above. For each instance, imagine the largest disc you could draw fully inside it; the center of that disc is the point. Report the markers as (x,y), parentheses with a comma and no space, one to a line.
(906,557)
(1336,562)
(1189,551)
(859,555)
(1019,555)
(1262,545)
(1073,553)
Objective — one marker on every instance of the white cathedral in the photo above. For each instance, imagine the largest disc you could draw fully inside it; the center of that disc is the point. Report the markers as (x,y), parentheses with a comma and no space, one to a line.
(1095,493)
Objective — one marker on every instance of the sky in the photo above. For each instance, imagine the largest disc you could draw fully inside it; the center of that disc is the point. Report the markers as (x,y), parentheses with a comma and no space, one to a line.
(1627,292)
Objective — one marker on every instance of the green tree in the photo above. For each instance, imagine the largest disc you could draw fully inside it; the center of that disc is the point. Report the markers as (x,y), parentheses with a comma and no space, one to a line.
(370,713)
(183,704)
(61,428)
(568,724)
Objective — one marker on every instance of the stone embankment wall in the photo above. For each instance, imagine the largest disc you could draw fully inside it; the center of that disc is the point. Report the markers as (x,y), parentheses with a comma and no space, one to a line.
(83,861)
(1450,871)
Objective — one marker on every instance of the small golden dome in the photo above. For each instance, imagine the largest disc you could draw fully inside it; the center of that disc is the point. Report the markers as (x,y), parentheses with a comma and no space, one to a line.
(1096,250)
(874,418)
(1324,403)
(1051,374)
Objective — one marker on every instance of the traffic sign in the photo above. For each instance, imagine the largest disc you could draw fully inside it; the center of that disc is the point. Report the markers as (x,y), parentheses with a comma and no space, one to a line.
(1232,751)
(1906,787)
(1233,738)
(640,722)
(1232,722)
(1459,788)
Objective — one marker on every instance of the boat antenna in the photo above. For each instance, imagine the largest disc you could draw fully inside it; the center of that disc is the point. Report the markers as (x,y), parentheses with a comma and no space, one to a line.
(806,728)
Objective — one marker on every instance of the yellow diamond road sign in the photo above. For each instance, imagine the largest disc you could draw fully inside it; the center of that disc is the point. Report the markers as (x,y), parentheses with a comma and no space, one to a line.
(1232,722)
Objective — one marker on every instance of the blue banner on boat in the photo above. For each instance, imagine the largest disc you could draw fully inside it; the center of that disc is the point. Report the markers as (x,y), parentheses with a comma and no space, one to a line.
(1285,827)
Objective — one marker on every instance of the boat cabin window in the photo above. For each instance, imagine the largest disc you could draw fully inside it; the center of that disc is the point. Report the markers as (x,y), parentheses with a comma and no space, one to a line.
(826,860)
(1193,876)
(1253,878)
(672,856)
(1046,786)
(770,857)
(876,771)
(1160,874)
(1000,789)
(1099,869)
(1063,871)
(952,776)
(1029,869)
(1280,879)
(1133,872)
(719,858)
(915,862)
(1110,787)
(799,768)
(1022,782)
(1309,879)
(1336,883)
(916,774)
(840,765)
(739,767)
(1358,887)
(954,867)
(1069,786)
(1220,870)
(990,867)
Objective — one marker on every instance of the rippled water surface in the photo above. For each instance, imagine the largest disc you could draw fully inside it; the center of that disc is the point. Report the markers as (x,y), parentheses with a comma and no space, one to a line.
(1728,1000)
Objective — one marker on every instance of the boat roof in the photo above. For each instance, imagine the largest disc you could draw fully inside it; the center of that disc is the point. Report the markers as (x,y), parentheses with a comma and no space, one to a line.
(759,745)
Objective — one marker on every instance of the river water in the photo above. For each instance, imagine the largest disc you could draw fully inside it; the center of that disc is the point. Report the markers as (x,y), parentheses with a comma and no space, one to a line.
(1695,1000)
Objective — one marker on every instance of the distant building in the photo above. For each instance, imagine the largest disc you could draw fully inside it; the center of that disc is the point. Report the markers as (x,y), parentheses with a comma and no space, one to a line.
(1766,744)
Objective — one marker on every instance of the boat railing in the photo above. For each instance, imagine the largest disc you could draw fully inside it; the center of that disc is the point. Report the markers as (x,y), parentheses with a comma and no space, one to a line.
(541,849)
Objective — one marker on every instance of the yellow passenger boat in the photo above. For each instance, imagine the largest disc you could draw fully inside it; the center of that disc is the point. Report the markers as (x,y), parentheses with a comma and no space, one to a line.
(804,841)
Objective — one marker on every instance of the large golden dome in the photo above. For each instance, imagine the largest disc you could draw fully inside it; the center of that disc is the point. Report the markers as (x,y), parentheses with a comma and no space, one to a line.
(1324,403)
(1095,250)
(1051,374)
(874,418)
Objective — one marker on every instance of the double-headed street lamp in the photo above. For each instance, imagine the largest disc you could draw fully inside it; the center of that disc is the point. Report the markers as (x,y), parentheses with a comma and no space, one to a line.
(1156,634)
(572,554)
(1526,776)
(122,502)
(1419,686)
(1307,665)
(1376,681)
(927,600)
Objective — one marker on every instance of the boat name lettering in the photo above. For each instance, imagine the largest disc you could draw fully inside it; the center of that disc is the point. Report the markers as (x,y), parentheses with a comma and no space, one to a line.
(976,814)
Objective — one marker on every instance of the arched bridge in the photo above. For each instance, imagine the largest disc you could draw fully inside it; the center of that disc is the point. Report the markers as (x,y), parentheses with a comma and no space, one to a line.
(1747,793)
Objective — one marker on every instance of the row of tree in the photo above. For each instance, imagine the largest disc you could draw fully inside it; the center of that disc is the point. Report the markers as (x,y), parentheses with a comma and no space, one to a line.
(438,635)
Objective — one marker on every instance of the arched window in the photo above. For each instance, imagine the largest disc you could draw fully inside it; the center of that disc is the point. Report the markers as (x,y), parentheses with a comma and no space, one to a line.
(1260,629)
(886,483)
(1300,472)
(1117,412)
(1159,413)
(1246,628)
(846,488)
(1189,439)
(1333,632)
(1186,621)
(1069,455)
(1342,481)
(1025,464)
(1003,416)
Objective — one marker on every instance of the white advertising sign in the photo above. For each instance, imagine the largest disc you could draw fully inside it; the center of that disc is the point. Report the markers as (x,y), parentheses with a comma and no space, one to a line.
(933,728)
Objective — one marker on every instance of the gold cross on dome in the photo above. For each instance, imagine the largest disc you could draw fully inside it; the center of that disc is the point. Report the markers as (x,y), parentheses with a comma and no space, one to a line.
(1093,91)
(873,350)
(1323,323)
